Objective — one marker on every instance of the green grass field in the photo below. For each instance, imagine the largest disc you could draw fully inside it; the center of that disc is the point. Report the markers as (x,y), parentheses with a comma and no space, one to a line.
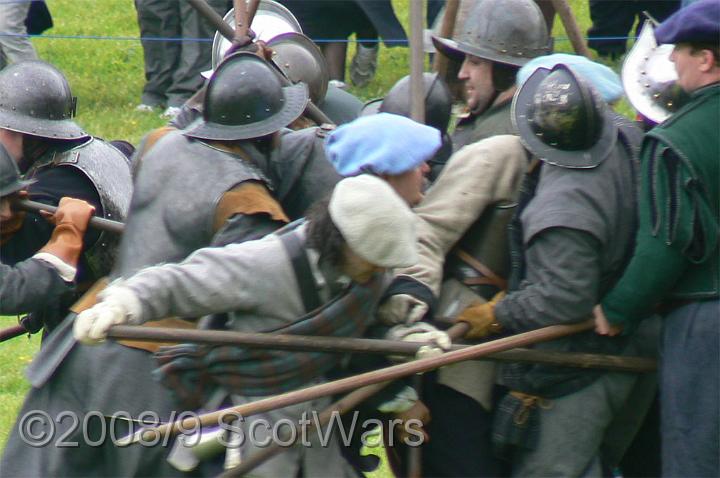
(105,69)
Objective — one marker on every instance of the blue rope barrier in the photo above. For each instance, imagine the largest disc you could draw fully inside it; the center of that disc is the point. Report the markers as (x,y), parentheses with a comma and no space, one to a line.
(182,39)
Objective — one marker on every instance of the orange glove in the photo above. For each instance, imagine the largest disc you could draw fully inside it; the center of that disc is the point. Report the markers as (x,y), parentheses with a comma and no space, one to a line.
(71,220)
(481,318)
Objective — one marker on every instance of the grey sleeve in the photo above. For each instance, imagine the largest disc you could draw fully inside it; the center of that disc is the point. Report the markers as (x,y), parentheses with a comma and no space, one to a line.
(31,285)
(211,280)
(561,284)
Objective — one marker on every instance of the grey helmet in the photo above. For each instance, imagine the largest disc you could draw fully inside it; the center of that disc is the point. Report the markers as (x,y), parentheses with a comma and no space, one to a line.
(438,101)
(301,61)
(245,99)
(562,120)
(35,99)
(10,181)
(650,79)
(504,31)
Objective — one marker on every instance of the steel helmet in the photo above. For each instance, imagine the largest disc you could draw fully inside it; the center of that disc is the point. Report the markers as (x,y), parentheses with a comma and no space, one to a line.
(35,99)
(301,61)
(245,99)
(504,31)
(562,120)
(650,79)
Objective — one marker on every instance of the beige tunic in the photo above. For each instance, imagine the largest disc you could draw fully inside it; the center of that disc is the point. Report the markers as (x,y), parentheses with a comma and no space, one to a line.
(478,176)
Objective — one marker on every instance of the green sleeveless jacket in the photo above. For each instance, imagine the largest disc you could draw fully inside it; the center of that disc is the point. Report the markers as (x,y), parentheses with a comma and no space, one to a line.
(676,254)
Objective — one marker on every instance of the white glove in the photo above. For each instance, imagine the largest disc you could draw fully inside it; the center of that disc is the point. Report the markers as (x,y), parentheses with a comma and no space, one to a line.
(401,309)
(119,305)
(436,341)
(402,402)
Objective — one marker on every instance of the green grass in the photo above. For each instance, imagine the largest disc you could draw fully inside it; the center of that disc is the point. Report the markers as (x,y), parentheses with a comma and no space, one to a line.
(16,354)
(107,77)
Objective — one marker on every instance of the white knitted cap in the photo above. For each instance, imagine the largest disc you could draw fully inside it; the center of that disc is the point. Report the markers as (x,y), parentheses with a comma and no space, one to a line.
(377,224)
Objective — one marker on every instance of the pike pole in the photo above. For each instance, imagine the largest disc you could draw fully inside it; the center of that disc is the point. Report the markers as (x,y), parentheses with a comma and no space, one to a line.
(344,345)
(351,383)
(347,403)
(12,332)
(96,222)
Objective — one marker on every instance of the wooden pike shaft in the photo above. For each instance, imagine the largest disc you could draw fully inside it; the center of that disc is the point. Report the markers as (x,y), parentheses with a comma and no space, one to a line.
(12,332)
(571,27)
(350,383)
(417,60)
(241,19)
(447,28)
(214,18)
(348,403)
(370,346)
(100,223)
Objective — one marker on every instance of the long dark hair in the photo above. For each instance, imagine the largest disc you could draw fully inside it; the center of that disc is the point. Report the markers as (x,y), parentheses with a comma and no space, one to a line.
(324,236)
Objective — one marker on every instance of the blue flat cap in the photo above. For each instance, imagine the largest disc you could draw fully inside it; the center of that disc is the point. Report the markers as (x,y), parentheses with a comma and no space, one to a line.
(383,144)
(603,79)
(699,22)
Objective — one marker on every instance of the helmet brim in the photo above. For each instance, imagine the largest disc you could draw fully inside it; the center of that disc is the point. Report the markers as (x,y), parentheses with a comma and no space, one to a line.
(295,101)
(457,50)
(52,129)
(580,159)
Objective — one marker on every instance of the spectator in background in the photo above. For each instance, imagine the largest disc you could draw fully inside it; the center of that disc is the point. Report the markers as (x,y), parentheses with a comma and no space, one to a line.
(615,18)
(14,43)
(330,22)
(175,51)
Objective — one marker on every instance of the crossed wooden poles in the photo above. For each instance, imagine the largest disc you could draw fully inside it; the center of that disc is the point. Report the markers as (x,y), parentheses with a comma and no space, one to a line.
(366,384)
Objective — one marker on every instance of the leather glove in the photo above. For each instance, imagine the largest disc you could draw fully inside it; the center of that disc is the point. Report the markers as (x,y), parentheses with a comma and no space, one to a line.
(401,309)
(71,220)
(419,412)
(436,341)
(481,318)
(118,305)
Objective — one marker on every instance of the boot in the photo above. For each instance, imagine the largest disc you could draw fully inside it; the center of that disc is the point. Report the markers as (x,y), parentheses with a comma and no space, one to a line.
(364,64)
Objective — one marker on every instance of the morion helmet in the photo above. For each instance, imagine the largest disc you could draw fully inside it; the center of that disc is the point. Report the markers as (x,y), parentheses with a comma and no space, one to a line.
(35,99)
(245,99)
(505,31)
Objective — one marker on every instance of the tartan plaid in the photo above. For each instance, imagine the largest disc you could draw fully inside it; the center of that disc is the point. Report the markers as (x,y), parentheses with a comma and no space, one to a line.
(192,372)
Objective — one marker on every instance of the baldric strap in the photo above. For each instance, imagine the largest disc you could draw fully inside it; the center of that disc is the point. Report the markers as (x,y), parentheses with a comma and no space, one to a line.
(303,272)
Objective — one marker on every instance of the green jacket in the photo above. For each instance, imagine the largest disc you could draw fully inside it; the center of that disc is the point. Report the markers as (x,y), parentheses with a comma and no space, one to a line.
(676,252)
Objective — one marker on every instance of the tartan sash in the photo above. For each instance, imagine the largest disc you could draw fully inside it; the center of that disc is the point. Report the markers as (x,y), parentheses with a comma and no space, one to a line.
(192,372)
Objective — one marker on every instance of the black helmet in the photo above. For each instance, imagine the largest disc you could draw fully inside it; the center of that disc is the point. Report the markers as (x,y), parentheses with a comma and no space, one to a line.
(10,181)
(35,99)
(562,120)
(438,101)
(504,31)
(245,99)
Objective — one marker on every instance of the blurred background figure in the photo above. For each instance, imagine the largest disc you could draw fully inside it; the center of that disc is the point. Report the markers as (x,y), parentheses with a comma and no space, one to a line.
(330,22)
(173,51)
(14,44)
(615,19)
